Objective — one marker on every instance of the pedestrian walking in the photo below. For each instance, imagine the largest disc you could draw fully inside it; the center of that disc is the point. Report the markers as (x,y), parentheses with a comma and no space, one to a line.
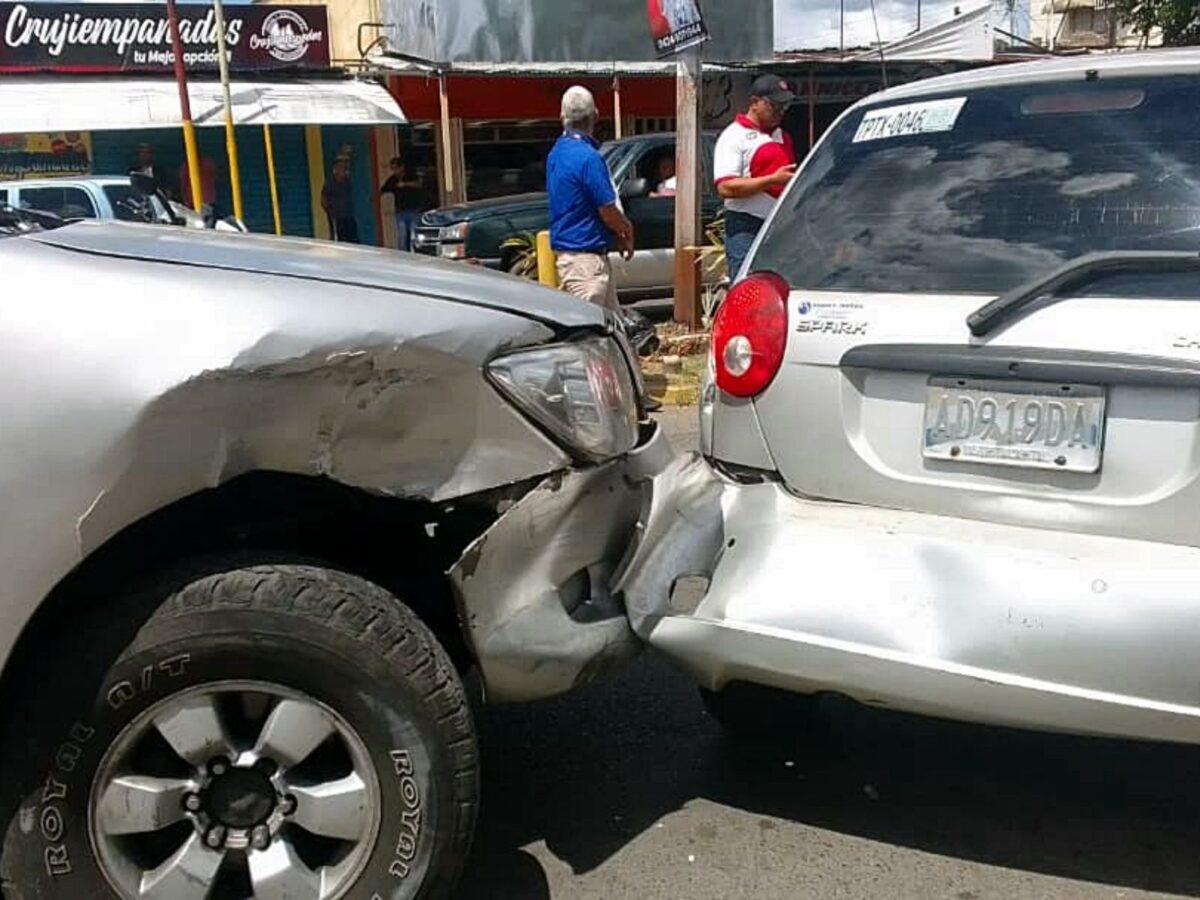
(406,202)
(585,214)
(752,164)
(338,202)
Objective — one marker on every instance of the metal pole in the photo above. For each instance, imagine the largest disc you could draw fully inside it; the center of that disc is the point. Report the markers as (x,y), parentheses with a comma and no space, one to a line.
(812,106)
(185,107)
(842,31)
(271,179)
(918,15)
(235,178)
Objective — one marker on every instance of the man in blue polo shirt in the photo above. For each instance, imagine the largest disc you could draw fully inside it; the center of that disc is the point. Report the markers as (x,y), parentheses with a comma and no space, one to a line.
(585,215)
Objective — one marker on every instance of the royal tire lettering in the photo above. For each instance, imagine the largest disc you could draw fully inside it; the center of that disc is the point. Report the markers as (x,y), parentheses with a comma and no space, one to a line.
(67,756)
(398,869)
(402,762)
(120,694)
(410,818)
(175,665)
(58,862)
(124,691)
(54,790)
(52,824)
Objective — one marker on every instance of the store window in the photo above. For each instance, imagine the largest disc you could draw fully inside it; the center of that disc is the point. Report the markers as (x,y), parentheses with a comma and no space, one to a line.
(65,202)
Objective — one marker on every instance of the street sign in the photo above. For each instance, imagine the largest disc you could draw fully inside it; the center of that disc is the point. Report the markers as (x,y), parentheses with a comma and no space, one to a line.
(135,37)
(676,25)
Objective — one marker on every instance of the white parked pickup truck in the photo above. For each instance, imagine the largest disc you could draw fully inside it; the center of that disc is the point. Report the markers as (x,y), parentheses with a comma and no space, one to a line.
(107,198)
(104,197)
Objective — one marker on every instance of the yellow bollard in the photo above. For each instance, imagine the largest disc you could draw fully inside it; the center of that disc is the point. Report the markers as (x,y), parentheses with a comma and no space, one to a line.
(547,270)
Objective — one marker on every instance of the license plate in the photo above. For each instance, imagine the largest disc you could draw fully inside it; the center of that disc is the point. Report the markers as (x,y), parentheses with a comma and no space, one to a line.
(1030,424)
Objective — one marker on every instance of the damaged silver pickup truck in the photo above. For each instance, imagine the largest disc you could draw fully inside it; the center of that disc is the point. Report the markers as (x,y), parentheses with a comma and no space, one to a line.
(261,502)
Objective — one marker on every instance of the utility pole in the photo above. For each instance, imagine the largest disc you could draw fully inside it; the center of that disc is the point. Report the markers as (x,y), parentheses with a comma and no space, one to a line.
(688,168)
(235,178)
(185,107)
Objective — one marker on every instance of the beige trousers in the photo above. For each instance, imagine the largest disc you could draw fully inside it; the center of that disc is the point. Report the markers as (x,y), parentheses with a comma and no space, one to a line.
(588,276)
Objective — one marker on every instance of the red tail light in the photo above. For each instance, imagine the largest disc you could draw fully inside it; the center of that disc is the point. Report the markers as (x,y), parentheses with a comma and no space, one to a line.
(750,334)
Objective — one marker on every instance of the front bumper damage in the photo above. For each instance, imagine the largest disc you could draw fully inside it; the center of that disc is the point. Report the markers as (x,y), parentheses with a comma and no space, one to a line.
(534,590)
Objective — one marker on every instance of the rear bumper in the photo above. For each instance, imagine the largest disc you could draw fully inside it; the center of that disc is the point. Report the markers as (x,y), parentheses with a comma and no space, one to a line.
(935,615)
(533,591)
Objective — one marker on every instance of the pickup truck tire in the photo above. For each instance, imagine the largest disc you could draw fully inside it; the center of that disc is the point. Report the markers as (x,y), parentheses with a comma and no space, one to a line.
(267,728)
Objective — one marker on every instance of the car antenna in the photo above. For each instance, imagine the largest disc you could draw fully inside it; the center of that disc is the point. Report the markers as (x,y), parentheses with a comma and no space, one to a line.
(879,41)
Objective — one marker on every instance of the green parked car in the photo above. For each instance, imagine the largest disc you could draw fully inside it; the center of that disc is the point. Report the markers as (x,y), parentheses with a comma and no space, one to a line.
(478,230)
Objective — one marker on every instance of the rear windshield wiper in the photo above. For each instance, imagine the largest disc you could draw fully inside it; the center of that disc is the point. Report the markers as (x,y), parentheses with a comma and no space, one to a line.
(1075,274)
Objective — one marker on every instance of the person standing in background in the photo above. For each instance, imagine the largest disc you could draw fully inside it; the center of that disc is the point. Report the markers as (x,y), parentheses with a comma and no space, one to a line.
(752,164)
(338,202)
(585,212)
(406,202)
(585,215)
(144,164)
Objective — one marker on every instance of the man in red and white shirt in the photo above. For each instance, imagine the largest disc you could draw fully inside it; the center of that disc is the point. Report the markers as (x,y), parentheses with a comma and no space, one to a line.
(753,163)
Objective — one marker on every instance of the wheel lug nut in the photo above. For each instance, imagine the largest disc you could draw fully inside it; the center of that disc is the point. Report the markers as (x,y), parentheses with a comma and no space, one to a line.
(287,805)
(192,803)
(260,838)
(266,767)
(218,766)
(215,837)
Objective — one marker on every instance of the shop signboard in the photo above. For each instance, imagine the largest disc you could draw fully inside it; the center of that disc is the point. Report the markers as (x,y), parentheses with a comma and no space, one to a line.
(134,37)
(575,31)
(38,155)
(675,25)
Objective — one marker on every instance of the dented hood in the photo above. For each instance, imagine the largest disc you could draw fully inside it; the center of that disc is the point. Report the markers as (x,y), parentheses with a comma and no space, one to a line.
(321,261)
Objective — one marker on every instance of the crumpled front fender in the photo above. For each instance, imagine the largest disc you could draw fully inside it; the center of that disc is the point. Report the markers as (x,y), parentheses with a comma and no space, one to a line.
(681,538)
(534,590)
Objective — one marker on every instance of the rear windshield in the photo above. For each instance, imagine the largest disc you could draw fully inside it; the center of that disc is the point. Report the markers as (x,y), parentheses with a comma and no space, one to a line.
(982,191)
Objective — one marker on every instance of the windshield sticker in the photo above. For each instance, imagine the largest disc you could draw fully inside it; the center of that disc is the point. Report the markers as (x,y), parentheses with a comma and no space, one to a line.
(910,119)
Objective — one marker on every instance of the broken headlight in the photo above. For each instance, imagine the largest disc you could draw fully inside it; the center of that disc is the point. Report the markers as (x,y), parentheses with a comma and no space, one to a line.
(581,393)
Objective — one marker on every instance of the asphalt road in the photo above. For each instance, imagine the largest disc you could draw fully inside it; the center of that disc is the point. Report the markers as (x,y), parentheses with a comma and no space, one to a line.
(628,790)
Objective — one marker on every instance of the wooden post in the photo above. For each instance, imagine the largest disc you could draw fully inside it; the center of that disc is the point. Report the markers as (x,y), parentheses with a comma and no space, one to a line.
(447,143)
(688,171)
(618,130)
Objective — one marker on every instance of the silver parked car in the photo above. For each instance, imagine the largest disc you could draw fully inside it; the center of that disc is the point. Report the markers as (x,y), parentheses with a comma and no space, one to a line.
(950,437)
(261,502)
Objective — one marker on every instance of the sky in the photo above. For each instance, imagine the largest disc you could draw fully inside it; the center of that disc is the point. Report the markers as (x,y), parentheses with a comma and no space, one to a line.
(813,24)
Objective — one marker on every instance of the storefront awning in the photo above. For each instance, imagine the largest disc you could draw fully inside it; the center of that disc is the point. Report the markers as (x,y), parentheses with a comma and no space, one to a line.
(397,65)
(964,38)
(52,103)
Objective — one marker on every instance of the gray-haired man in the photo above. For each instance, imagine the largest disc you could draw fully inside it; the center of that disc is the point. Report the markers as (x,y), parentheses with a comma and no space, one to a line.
(585,215)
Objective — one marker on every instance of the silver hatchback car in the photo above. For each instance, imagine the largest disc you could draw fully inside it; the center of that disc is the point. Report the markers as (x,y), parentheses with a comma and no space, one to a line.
(950,436)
